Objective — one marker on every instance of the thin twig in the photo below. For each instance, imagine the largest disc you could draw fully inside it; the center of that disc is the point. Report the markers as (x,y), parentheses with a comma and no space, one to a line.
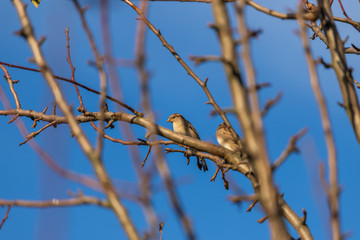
(270,103)
(137,113)
(226,182)
(72,68)
(102,76)
(161,227)
(37,120)
(290,148)
(5,217)
(34,134)
(141,142)
(273,13)
(11,85)
(252,205)
(343,10)
(202,59)
(213,157)
(304,218)
(146,157)
(263,219)
(212,179)
(224,110)
(241,198)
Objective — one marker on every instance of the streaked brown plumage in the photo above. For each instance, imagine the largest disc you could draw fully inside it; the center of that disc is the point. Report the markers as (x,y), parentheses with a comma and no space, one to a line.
(183,126)
(226,139)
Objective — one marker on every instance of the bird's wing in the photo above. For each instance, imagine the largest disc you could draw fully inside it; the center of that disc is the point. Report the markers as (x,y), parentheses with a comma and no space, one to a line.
(193,133)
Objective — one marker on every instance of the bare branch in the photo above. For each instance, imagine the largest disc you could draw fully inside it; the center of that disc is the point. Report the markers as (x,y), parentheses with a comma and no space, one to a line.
(252,205)
(84,143)
(72,68)
(340,67)
(161,165)
(5,217)
(303,219)
(290,148)
(333,191)
(34,134)
(241,198)
(11,85)
(263,219)
(161,226)
(137,113)
(253,127)
(270,103)
(102,75)
(202,59)
(212,179)
(80,200)
(141,142)
(146,157)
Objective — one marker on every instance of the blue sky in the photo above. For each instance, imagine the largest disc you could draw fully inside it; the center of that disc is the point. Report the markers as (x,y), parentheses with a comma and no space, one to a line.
(278,58)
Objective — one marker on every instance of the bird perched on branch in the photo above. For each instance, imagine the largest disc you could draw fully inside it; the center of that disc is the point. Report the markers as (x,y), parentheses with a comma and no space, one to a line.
(183,126)
(227,140)
(233,143)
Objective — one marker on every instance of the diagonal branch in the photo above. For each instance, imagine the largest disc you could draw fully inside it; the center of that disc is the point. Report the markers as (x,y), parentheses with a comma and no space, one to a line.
(6,216)
(290,148)
(252,124)
(84,143)
(341,69)
(34,134)
(190,72)
(11,85)
(102,76)
(72,68)
(79,85)
(333,189)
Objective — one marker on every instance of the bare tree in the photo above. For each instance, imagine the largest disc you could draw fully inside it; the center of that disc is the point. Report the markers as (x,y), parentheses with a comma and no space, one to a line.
(93,126)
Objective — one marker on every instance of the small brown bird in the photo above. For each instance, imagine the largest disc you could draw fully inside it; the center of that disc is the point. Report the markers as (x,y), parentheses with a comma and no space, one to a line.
(183,126)
(227,140)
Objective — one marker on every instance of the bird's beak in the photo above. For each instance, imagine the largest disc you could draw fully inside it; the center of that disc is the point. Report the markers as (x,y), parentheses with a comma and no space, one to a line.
(169,120)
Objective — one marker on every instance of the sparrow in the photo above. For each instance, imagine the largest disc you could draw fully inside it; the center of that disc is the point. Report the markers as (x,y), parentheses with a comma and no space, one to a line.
(183,126)
(233,143)
(227,140)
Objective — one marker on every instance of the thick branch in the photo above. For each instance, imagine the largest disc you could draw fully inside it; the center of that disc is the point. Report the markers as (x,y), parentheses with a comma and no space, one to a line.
(339,64)
(333,190)
(81,200)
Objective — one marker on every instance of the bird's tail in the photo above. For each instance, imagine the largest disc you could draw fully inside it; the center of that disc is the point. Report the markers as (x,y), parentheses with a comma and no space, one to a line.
(201,163)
